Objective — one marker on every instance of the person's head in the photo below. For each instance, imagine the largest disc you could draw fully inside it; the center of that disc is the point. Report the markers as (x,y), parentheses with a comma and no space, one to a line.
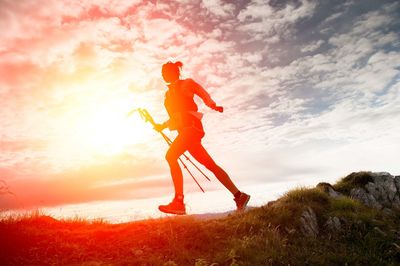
(171,71)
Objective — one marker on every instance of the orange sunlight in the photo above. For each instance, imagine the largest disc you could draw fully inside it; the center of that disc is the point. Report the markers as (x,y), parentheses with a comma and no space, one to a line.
(108,129)
(94,119)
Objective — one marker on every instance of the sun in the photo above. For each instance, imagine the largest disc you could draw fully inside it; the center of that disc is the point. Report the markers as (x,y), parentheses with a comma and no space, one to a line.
(100,125)
(109,130)
(94,121)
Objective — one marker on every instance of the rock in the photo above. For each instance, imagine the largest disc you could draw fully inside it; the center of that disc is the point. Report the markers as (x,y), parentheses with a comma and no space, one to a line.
(309,223)
(383,188)
(366,198)
(382,192)
(327,188)
(396,202)
(379,174)
(333,224)
(397,182)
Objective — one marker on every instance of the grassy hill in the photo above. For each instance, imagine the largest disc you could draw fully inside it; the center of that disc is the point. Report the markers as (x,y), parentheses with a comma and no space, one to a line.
(274,234)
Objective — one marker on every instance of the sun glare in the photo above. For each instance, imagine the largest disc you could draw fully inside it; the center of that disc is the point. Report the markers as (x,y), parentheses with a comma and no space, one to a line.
(92,121)
(98,123)
(110,130)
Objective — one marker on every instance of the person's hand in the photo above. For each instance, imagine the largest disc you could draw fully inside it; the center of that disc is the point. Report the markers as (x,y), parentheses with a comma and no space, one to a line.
(159,127)
(217,108)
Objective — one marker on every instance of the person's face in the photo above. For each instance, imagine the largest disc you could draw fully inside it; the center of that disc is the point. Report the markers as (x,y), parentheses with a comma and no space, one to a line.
(170,76)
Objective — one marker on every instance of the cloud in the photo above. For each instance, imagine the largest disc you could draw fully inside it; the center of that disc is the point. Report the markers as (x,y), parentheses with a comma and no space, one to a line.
(338,101)
(218,8)
(270,24)
(297,82)
(312,46)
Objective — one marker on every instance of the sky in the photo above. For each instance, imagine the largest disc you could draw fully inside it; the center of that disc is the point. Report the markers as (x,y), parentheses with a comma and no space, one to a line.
(310,90)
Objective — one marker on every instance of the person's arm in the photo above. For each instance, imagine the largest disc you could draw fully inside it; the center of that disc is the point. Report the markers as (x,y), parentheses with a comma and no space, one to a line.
(204,95)
(161,127)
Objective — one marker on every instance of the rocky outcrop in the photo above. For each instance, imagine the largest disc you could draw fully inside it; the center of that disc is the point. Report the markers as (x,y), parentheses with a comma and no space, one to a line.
(382,193)
(377,190)
(309,223)
(333,224)
(362,195)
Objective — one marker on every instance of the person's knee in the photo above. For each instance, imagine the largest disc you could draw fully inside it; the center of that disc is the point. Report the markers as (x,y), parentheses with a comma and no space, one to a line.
(170,157)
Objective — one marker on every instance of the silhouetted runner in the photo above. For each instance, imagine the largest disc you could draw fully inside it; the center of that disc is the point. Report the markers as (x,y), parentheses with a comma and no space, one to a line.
(185,118)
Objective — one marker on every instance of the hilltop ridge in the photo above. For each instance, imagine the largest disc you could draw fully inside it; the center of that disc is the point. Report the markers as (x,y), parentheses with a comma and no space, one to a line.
(354,221)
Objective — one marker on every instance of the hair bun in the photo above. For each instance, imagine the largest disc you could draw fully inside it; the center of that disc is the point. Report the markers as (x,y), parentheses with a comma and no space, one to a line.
(178,64)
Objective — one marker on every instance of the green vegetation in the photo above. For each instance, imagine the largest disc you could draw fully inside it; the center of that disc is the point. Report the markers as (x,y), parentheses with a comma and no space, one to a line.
(356,179)
(267,235)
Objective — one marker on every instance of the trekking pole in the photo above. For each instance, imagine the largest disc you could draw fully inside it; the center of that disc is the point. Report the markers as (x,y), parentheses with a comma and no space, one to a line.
(168,140)
(148,118)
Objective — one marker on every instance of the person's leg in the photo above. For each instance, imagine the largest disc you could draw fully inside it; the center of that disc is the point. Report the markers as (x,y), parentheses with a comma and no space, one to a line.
(177,148)
(201,155)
